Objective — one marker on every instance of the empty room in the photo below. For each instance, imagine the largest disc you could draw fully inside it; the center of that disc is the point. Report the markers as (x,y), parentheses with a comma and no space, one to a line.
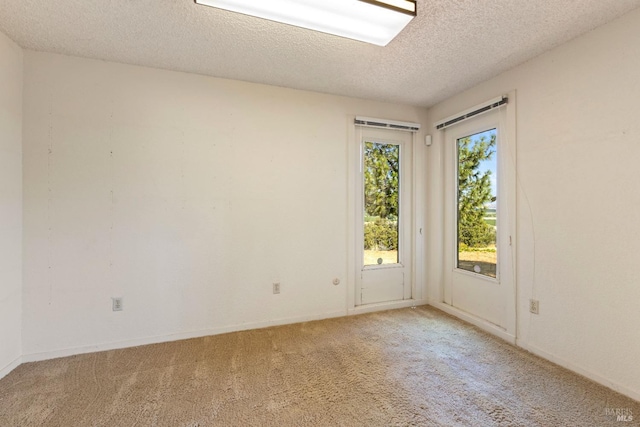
(319,213)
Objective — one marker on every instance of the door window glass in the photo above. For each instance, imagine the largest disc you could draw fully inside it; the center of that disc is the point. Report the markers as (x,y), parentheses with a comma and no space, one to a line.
(477,203)
(381,203)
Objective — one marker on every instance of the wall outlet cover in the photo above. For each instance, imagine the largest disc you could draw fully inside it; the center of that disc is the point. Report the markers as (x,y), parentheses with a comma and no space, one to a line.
(534,306)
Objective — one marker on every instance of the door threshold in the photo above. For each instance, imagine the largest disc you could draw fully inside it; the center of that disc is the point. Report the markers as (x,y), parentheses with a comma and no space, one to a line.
(476,321)
(390,305)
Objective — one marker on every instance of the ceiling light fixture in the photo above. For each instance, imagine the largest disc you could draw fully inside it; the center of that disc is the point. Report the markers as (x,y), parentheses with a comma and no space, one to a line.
(372,21)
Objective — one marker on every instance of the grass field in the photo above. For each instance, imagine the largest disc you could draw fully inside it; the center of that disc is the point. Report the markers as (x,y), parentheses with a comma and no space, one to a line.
(485,258)
(480,256)
(388,257)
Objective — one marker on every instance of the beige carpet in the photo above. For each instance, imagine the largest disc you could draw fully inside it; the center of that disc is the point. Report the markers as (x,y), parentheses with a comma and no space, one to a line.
(403,367)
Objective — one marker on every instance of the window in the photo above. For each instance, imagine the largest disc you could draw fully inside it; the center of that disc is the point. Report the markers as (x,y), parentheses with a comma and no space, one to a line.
(477,203)
(381,203)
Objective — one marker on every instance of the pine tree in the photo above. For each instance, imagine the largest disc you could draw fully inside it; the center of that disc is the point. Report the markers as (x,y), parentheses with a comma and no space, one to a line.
(381,179)
(474,191)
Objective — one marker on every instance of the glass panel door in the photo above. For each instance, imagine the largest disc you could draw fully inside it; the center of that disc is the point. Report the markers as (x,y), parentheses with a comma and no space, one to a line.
(478,263)
(384,216)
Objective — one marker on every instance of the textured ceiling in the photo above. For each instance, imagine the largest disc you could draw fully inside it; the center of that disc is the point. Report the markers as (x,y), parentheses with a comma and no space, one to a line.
(449,47)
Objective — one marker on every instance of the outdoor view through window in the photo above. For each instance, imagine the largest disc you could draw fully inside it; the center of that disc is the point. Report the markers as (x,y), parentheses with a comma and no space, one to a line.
(381,207)
(477,203)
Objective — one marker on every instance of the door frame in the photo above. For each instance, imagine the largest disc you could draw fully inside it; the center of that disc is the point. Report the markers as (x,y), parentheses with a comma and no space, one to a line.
(416,233)
(405,205)
(438,296)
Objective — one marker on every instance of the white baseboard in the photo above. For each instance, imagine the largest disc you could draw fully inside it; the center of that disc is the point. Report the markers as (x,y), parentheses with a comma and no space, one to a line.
(495,330)
(476,321)
(10,367)
(54,354)
(633,394)
(369,308)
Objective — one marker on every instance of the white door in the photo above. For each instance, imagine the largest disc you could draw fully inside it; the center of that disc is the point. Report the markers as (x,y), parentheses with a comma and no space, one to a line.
(384,216)
(479,214)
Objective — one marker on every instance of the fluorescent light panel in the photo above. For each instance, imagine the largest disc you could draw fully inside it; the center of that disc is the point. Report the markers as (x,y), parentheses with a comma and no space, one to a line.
(371,21)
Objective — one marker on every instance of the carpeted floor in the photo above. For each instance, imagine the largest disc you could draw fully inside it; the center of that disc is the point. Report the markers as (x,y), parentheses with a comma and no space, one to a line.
(403,367)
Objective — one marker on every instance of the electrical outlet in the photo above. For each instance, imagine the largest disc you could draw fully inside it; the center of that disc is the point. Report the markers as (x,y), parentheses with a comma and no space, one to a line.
(276,288)
(534,306)
(116,304)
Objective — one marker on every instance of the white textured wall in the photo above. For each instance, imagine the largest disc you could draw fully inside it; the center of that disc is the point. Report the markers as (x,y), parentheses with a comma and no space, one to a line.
(578,138)
(187,195)
(10,203)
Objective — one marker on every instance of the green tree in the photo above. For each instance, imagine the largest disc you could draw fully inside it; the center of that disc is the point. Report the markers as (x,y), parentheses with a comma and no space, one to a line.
(474,191)
(381,192)
(381,185)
